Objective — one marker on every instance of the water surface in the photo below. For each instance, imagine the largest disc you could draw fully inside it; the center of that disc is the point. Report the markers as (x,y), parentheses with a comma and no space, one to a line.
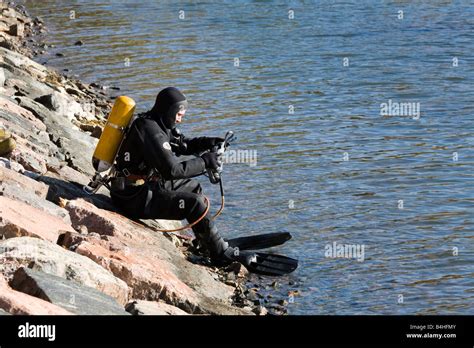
(330,167)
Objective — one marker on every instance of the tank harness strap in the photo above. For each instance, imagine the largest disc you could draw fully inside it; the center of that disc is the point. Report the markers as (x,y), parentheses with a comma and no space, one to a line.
(149,196)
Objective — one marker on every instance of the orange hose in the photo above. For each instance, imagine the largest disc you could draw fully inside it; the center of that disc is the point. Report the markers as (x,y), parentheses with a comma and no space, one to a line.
(192,224)
(221,209)
(200,218)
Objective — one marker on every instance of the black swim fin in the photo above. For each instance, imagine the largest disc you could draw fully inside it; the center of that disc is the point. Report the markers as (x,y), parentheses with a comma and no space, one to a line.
(271,264)
(260,241)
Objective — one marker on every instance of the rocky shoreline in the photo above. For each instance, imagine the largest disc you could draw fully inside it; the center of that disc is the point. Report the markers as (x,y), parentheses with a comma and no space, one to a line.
(63,251)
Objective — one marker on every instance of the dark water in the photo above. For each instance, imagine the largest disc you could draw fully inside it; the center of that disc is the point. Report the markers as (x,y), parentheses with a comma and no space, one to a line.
(334,169)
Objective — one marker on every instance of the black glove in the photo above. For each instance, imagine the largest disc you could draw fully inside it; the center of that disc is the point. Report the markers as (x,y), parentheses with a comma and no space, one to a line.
(209,143)
(211,159)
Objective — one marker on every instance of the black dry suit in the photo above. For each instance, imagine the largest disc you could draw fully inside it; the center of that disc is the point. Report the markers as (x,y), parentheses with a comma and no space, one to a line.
(150,153)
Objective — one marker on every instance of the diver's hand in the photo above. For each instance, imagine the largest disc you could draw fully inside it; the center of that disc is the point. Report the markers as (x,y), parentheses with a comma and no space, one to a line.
(211,159)
(209,143)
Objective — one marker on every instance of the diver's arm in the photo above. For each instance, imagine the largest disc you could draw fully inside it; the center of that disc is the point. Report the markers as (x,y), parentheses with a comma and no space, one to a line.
(159,155)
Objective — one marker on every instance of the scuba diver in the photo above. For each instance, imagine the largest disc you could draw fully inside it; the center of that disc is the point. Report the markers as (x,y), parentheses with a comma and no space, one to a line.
(152,183)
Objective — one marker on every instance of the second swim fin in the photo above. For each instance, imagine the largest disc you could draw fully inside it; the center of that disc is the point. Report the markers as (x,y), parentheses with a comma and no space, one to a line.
(260,241)
(268,264)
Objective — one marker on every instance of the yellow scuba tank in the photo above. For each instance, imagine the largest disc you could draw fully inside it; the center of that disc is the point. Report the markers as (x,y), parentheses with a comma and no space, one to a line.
(113,133)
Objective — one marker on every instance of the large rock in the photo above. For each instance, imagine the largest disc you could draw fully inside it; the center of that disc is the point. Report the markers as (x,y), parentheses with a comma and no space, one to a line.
(22,188)
(51,101)
(48,117)
(153,308)
(15,302)
(75,298)
(18,219)
(64,105)
(13,178)
(15,192)
(28,78)
(26,67)
(76,145)
(16,167)
(34,148)
(110,223)
(33,92)
(42,150)
(50,258)
(17,29)
(149,279)
(29,159)
(20,116)
(148,262)
(23,83)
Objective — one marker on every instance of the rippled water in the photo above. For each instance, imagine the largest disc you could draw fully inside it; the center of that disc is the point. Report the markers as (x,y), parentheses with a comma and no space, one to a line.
(334,170)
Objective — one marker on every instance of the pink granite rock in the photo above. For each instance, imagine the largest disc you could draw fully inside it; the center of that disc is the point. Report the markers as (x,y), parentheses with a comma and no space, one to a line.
(18,219)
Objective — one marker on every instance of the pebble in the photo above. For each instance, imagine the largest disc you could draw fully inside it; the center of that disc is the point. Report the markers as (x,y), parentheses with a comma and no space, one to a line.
(59,54)
(231,276)
(233,267)
(293,293)
(278,310)
(96,131)
(73,91)
(252,296)
(231,283)
(79,43)
(260,310)
(82,229)
(94,235)
(242,288)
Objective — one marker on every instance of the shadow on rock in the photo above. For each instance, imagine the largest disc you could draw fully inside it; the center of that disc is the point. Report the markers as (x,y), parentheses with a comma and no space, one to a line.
(63,189)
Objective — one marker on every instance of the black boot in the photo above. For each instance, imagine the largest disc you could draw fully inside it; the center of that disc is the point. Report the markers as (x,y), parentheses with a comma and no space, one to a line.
(220,251)
(208,237)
